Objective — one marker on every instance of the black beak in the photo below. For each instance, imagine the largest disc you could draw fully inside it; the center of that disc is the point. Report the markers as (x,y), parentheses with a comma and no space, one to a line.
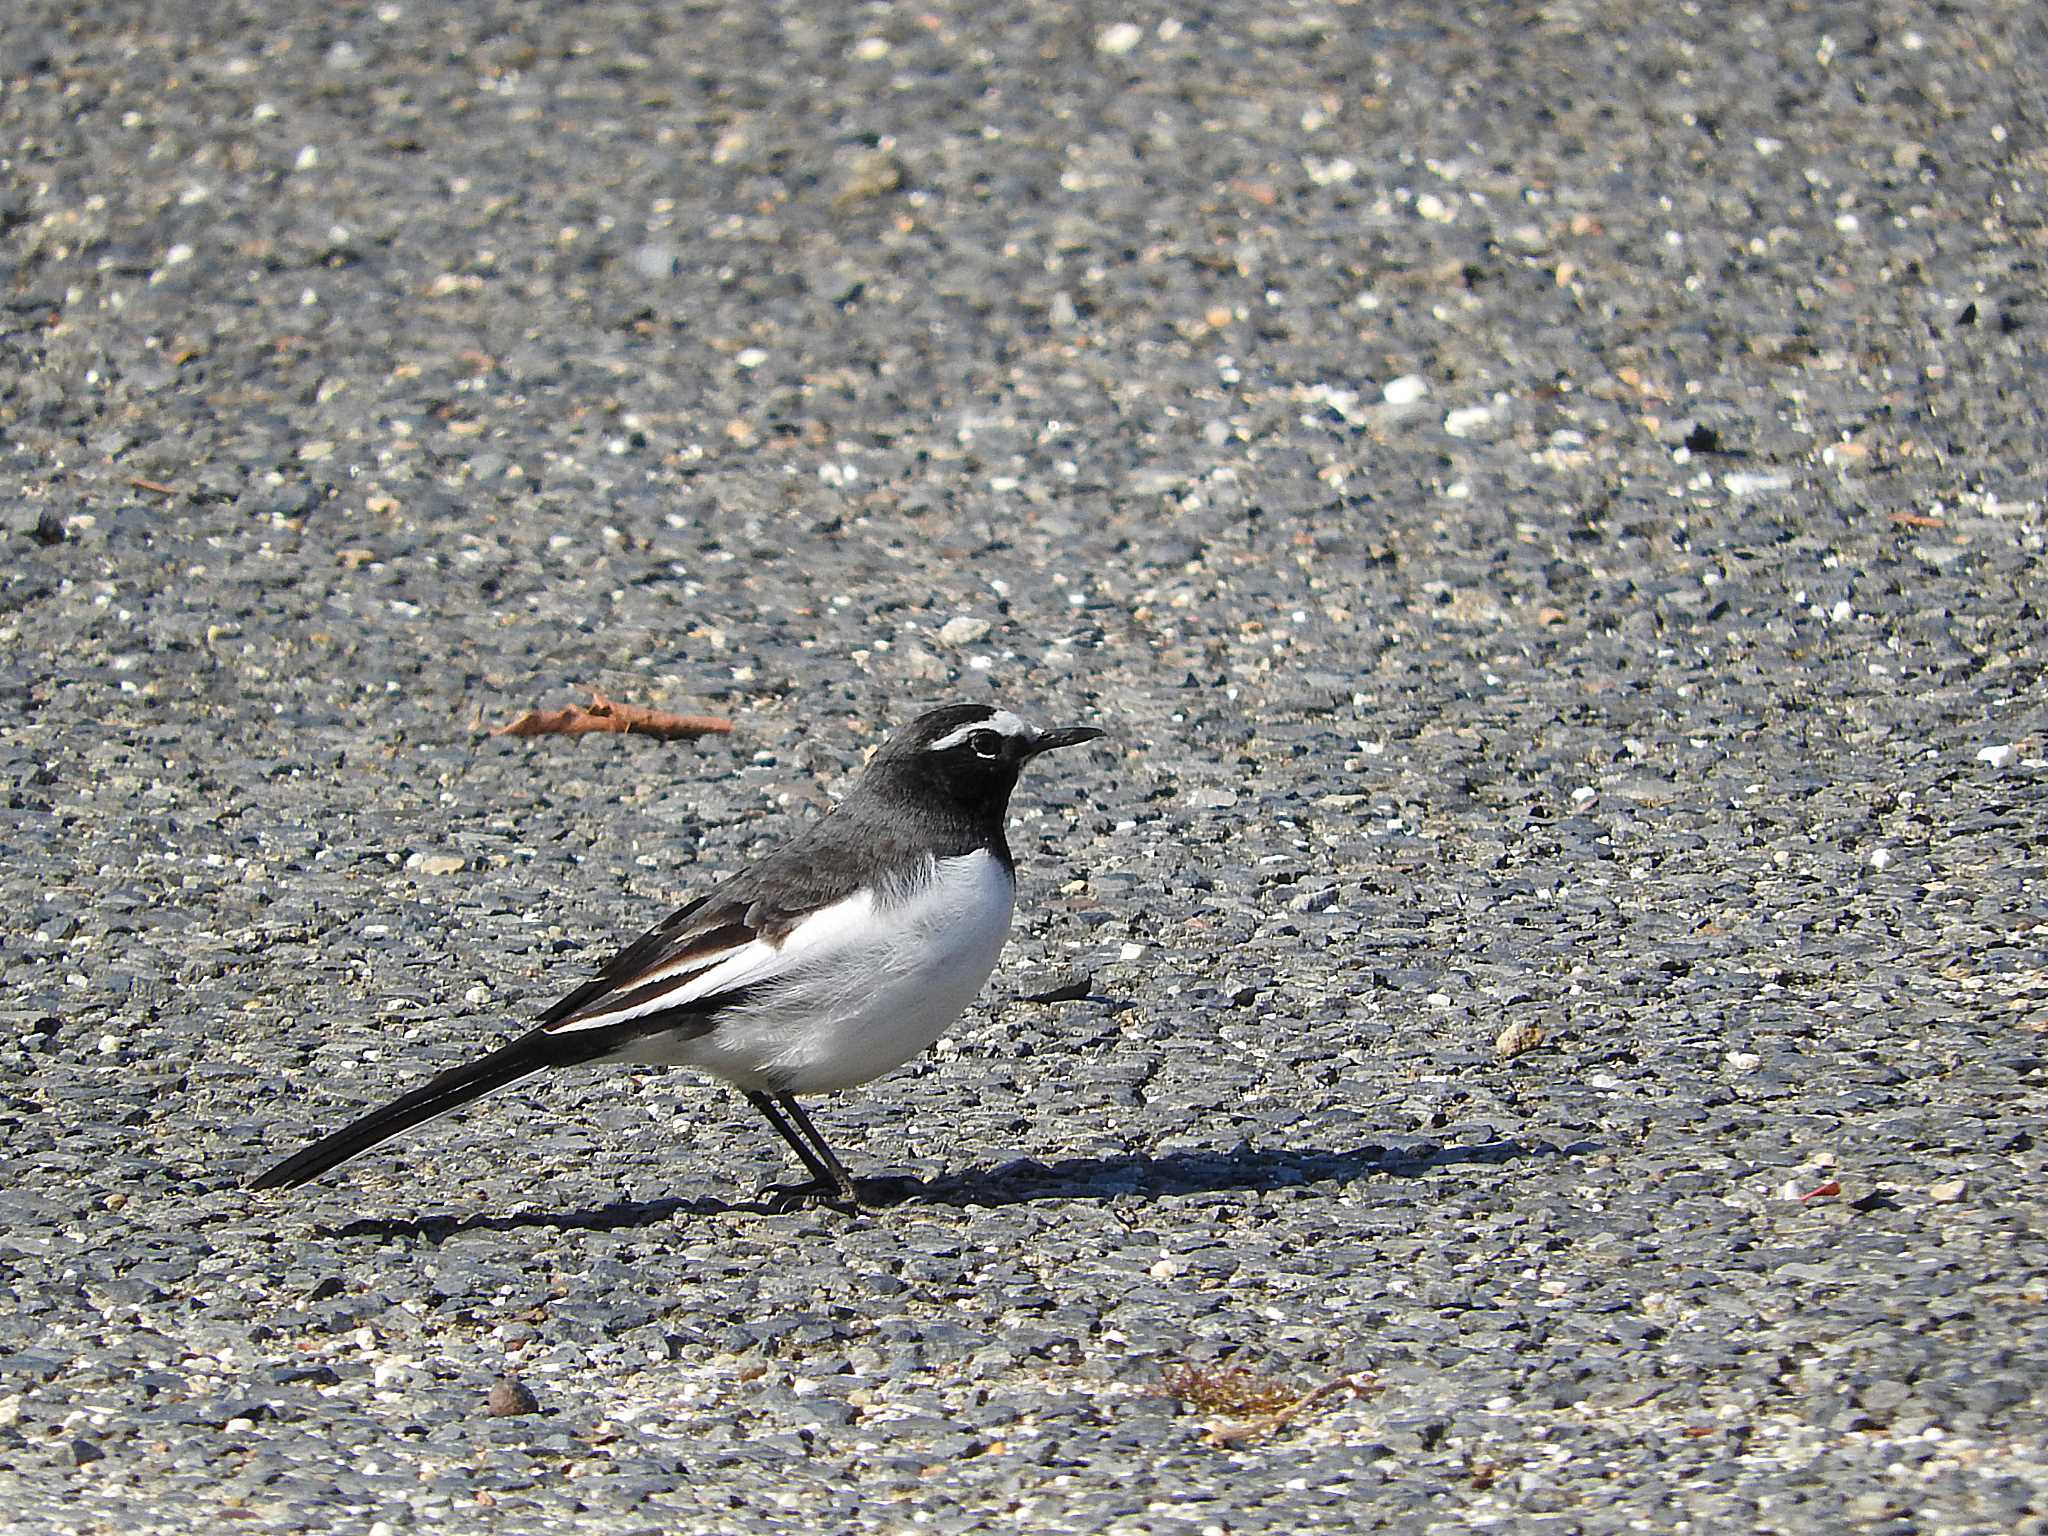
(1052,741)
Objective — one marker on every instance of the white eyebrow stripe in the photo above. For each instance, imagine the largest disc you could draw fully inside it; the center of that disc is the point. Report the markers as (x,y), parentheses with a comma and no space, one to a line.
(1002,722)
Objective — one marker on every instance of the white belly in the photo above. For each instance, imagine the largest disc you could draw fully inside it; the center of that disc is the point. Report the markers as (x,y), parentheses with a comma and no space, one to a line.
(870,986)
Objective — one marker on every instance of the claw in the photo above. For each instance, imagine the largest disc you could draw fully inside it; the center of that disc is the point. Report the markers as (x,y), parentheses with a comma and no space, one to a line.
(785,1198)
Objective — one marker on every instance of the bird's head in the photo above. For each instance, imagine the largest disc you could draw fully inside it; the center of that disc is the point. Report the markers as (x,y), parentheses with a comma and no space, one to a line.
(967,754)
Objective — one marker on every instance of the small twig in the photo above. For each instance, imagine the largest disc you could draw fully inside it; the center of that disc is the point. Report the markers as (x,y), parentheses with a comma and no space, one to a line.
(1229,1434)
(154,485)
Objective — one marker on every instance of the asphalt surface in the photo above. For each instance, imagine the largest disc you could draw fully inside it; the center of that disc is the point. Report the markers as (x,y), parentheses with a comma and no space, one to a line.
(1547,501)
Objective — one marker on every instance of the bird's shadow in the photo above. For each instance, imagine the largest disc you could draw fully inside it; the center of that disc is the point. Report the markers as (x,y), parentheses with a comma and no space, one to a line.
(1133,1176)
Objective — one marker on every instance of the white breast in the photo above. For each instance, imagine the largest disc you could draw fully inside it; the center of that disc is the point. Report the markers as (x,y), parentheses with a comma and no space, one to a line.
(868,985)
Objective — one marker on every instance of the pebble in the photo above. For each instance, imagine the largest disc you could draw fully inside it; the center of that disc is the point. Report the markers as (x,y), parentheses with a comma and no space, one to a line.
(1743,483)
(1119,38)
(511,1397)
(1467,420)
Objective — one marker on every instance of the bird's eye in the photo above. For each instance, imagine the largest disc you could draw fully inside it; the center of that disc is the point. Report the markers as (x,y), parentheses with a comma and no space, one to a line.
(985,744)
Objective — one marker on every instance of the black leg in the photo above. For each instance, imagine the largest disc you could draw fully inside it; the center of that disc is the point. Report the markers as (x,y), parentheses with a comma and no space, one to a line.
(837,1173)
(828,1178)
(802,1148)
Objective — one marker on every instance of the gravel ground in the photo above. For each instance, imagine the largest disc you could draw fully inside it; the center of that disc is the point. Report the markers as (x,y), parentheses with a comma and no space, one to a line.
(1545,499)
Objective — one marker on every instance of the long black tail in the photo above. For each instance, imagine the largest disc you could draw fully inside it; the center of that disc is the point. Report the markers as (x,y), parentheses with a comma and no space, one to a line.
(452,1089)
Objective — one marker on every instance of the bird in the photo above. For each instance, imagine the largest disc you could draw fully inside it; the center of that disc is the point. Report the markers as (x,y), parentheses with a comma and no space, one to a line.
(828,962)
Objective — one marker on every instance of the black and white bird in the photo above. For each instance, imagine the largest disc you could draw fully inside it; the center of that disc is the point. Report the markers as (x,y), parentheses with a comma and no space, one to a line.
(831,961)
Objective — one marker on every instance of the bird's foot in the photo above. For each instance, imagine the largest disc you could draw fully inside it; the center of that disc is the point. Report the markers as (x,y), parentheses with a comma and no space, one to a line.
(784,1198)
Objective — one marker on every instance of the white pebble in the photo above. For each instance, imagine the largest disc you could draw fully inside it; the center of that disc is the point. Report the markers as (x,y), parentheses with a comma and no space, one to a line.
(1466,420)
(655,260)
(1997,757)
(1743,1061)
(1756,484)
(1121,38)
(1405,390)
(963,630)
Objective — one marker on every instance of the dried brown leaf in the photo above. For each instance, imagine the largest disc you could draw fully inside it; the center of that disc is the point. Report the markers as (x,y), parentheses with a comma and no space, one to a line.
(1260,1404)
(603,714)
(1350,1386)
(1232,1390)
